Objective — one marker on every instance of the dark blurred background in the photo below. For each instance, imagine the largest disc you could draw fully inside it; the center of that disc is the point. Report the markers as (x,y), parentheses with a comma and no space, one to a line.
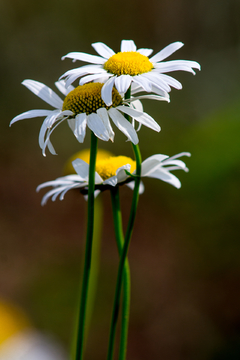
(185,250)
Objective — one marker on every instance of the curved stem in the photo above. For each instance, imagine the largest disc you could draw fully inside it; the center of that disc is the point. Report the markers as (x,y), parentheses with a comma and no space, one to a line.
(88,249)
(125,249)
(117,219)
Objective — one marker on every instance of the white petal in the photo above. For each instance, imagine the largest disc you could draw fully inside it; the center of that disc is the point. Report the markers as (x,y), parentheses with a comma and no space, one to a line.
(31,114)
(152,163)
(81,168)
(61,85)
(106,91)
(44,92)
(171,81)
(103,114)
(47,123)
(144,83)
(83,70)
(156,79)
(167,51)
(93,59)
(136,104)
(80,127)
(103,50)
(166,176)
(95,124)
(149,97)
(123,125)
(145,52)
(122,83)
(142,117)
(132,184)
(128,45)
(92,77)
(119,177)
(176,65)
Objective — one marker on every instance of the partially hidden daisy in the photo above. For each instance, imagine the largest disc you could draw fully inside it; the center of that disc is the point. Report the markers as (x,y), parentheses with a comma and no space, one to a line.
(129,66)
(113,171)
(83,107)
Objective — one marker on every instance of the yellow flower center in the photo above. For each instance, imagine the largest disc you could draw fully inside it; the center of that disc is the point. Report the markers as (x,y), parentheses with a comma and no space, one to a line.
(128,63)
(107,168)
(106,163)
(87,99)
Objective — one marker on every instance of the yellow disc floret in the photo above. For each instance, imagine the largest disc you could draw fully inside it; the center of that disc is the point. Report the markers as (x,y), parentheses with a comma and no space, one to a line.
(128,63)
(107,168)
(85,156)
(87,99)
(106,163)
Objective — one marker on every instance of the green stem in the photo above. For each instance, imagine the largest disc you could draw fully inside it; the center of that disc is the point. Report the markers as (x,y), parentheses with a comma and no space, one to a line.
(117,218)
(88,249)
(124,252)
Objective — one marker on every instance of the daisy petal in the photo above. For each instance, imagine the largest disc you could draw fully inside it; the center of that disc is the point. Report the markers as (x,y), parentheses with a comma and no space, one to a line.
(131,185)
(92,77)
(95,124)
(145,52)
(106,91)
(167,51)
(81,168)
(122,83)
(103,50)
(61,85)
(143,118)
(128,45)
(31,114)
(93,59)
(123,125)
(176,65)
(143,82)
(103,114)
(166,176)
(44,92)
(80,127)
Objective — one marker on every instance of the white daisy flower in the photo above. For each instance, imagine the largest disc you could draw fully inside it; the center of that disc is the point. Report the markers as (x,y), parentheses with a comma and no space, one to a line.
(112,171)
(129,66)
(83,107)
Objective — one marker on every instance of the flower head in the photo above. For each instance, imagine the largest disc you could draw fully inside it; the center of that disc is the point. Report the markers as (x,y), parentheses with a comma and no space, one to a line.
(113,171)
(83,107)
(129,67)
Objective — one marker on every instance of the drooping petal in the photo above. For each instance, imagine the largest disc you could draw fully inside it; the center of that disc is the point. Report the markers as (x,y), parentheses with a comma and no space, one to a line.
(92,77)
(144,83)
(164,175)
(167,51)
(122,83)
(128,45)
(106,91)
(93,59)
(81,168)
(61,85)
(31,114)
(123,125)
(103,114)
(152,163)
(103,50)
(95,124)
(80,127)
(44,92)
(142,117)
(157,80)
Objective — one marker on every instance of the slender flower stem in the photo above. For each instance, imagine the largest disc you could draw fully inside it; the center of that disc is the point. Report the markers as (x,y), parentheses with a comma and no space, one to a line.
(117,219)
(124,252)
(88,249)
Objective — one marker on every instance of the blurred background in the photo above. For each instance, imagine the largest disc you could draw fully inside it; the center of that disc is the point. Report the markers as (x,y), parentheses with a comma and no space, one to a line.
(185,249)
